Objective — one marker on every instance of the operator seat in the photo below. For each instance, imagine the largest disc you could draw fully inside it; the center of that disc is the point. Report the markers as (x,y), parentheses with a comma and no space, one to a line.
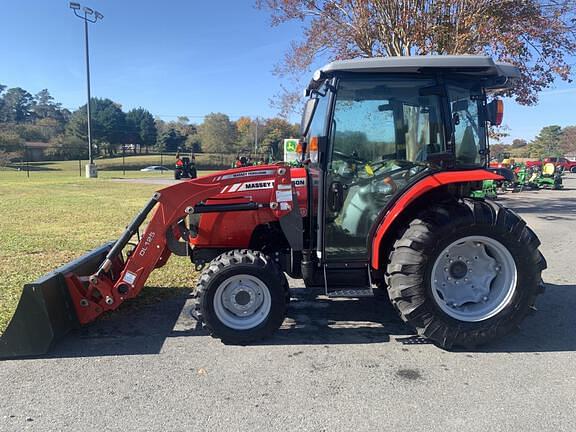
(467,151)
(548,170)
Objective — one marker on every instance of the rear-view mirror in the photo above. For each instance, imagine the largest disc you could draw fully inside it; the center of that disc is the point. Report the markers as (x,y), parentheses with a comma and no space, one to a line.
(307,115)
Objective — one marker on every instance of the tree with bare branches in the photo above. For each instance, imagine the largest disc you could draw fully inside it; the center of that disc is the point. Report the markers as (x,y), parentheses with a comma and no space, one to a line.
(538,36)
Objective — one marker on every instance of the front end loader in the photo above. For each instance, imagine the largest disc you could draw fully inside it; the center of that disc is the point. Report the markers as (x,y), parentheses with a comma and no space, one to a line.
(387,197)
(103,279)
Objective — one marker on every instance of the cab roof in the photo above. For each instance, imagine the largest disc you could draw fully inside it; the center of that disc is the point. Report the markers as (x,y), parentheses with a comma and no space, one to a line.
(496,74)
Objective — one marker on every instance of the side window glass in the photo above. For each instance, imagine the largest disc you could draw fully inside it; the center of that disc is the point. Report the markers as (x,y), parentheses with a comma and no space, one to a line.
(468,132)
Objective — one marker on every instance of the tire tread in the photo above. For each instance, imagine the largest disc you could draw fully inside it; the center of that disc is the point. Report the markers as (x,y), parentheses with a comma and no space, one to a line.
(410,255)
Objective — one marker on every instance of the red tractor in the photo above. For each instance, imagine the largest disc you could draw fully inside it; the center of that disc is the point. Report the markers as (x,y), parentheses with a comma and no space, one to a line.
(392,150)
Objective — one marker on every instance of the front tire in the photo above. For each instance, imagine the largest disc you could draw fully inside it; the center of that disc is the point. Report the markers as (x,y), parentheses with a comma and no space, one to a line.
(466,273)
(241,297)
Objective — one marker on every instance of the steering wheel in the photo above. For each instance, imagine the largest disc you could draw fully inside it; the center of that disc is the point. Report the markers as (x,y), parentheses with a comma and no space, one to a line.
(385,176)
(347,157)
(378,165)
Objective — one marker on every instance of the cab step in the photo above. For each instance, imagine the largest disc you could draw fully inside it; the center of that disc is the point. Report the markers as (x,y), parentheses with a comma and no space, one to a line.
(364,292)
(347,280)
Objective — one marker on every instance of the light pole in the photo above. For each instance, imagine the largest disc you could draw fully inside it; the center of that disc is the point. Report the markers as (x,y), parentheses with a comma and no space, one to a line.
(256,136)
(88,16)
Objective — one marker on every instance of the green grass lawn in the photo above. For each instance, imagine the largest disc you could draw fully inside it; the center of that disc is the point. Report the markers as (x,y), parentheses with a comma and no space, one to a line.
(55,216)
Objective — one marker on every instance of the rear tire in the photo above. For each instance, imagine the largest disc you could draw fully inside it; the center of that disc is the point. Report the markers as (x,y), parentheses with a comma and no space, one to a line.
(422,274)
(241,297)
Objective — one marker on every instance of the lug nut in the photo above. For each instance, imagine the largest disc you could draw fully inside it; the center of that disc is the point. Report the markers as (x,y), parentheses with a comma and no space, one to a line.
(485,299)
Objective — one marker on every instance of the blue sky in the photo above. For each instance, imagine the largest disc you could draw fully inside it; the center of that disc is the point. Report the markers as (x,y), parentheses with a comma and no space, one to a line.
(179,57)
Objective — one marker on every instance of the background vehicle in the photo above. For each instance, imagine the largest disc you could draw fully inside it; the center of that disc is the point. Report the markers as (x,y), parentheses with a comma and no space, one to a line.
(154,168)
(185,167)
(550,177)
(393,148)
(247,157)
(563,163)
(533,164)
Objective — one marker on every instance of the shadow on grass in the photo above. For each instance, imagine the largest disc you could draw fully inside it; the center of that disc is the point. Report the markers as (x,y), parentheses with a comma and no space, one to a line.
(142,327)
(36,166)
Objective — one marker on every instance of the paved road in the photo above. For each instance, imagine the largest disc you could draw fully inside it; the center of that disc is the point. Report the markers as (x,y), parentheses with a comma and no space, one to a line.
(147,180)
(335,366)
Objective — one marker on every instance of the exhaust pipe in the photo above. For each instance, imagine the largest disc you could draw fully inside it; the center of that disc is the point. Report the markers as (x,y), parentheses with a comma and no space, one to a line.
(45,313)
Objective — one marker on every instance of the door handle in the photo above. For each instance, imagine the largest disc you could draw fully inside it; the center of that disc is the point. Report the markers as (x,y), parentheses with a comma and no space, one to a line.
(336,197)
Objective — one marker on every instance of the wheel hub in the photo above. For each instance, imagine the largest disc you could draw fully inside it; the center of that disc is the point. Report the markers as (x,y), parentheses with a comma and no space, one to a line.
(458,269)
(242,302)
(473,278)
(243,298)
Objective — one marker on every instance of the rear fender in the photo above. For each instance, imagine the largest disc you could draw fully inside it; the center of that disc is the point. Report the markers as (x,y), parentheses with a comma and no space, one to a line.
(419,189)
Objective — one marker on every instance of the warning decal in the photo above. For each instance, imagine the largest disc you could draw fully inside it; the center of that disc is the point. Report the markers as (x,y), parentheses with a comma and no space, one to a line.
(129,277)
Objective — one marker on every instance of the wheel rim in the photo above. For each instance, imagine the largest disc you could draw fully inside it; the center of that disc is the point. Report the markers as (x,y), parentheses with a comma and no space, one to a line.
(474,278)
(242,302)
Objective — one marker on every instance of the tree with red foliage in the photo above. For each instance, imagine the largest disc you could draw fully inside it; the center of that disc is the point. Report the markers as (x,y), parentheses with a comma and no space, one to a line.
(537,36)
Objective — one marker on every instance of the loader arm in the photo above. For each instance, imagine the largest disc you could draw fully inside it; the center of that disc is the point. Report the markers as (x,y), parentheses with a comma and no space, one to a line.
(117,280)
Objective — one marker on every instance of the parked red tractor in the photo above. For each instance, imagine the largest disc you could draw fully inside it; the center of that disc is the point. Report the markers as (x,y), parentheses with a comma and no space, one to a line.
(392,149)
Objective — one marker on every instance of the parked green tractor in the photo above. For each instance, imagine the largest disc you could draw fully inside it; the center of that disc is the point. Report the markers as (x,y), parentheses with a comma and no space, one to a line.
(488,191)
(549,178)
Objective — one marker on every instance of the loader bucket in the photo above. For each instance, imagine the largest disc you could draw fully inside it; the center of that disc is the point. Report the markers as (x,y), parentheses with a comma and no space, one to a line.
(45,312)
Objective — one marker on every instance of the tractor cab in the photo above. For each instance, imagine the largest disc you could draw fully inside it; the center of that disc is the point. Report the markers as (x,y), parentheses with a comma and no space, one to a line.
(373,128)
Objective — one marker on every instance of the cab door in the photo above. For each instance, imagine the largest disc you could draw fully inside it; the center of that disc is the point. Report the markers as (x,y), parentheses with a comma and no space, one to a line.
(383,131)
